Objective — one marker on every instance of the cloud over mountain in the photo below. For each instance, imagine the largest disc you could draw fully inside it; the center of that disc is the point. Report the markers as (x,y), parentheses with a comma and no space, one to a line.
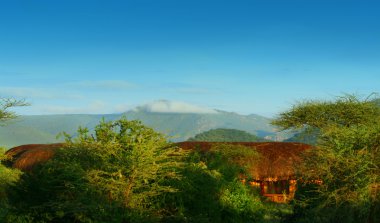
(165,106)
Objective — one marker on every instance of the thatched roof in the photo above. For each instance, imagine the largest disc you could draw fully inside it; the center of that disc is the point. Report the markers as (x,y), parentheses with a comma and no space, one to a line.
(277,159)
(25,157)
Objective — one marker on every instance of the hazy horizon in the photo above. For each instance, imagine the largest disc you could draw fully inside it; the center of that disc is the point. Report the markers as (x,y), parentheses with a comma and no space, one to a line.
(249,57)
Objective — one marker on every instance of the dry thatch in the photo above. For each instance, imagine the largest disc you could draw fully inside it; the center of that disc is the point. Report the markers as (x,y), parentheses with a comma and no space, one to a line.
(25,157)
(277,159)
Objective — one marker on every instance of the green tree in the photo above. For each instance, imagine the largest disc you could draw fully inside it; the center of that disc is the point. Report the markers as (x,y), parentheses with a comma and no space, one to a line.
(112,175)
(8,176)
(5,105)
(210,189)
(345,111)
(345,159)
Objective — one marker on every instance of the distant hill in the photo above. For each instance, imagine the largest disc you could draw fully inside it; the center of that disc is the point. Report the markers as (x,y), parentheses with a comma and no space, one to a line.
(45,128)
(181,126)
(304,137)
(225,135)
(163,116)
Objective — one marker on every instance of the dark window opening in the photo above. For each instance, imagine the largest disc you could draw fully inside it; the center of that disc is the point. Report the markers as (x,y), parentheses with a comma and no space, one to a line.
(276,187)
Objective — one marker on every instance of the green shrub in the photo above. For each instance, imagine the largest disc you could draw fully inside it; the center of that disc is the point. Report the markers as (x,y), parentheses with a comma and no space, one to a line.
(8,177)
(210,190)
(240,204)
(345,159)
(112,176)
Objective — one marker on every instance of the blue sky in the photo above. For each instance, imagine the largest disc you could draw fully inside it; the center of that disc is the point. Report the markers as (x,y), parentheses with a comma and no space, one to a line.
(243,56)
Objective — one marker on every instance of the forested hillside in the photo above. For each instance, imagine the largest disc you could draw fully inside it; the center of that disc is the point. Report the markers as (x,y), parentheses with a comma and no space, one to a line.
(178,126)
(226,135)
(308,137)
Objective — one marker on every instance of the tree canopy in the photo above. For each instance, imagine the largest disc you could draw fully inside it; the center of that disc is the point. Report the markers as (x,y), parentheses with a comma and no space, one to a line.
(5,105)
(345,111)
(345,159)
(8,176)
(112,175)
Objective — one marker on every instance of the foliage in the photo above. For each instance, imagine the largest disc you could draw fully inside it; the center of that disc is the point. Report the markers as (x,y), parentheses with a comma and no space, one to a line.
(225,135)
(6,104)
(345,111)
(112,176)
(8,176)
(126,172)
(240,204)
(210,189)
(345,161)
(232,159)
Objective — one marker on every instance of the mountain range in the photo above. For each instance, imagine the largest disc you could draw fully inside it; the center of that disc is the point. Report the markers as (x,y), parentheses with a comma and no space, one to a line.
(179,121)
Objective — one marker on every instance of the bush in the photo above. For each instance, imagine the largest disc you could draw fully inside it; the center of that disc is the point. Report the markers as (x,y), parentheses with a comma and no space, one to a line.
(345,160)
(112,176)
(8,177)
(210,190)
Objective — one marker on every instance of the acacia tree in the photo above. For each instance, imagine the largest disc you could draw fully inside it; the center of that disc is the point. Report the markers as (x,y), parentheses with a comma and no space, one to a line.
(345,159)
(5,105)
(130,160)
(8,176)
(112,174)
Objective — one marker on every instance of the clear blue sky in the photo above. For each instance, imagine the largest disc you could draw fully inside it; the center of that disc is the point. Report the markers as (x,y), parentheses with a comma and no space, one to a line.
(244,56)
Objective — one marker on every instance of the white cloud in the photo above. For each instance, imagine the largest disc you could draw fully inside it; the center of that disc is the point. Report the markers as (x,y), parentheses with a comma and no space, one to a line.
(165,106)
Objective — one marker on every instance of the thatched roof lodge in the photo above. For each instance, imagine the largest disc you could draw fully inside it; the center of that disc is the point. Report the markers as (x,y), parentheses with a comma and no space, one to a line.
(276,162)
(25,157)
(274,172)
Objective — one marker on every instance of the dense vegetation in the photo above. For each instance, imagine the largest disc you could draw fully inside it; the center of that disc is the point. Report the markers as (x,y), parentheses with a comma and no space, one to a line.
(225,135)
(341,175)
(126,172)
(112,176)
(8,176)
(210,189)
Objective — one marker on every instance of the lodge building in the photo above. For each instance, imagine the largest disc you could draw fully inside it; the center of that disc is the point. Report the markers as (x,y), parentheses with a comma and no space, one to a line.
(274,173)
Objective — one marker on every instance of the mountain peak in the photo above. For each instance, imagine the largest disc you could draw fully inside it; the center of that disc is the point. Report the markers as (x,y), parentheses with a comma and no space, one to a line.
(166,106)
